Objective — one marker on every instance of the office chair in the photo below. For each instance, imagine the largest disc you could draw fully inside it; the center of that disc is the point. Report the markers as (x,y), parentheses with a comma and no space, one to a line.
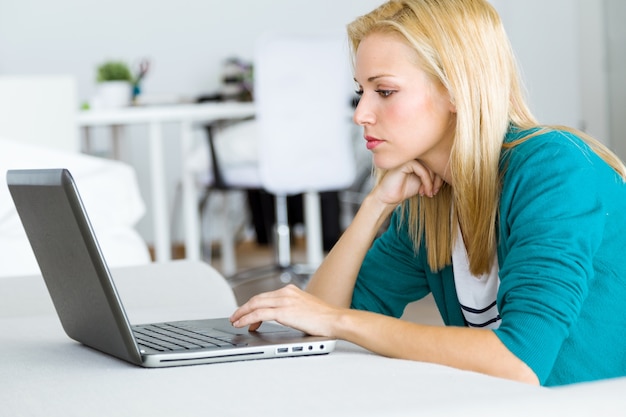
(302,91)
(231,169)
(304,140)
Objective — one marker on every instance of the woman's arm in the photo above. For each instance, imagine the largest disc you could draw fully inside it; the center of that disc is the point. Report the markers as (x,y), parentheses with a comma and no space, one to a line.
(459,347)
(477,350)
(334,280)
(323,309)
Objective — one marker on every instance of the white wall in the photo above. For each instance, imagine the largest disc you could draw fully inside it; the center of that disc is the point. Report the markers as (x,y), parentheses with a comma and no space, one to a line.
(616,69)
(593,58)
(544,35)
(187,40)
(573,58)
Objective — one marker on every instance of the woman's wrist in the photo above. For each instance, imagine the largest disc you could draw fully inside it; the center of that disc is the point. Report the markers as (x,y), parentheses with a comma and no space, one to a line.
(342,324)
(377,210)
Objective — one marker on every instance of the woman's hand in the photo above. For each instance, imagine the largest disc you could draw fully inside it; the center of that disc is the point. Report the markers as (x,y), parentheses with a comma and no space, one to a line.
(406,181)
(289,306)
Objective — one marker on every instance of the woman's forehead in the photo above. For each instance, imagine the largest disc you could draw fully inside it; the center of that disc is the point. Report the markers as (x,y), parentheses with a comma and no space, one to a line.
(382,54)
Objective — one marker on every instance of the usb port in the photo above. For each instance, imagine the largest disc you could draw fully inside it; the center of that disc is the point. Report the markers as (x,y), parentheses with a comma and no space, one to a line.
(297,349)
(282,350)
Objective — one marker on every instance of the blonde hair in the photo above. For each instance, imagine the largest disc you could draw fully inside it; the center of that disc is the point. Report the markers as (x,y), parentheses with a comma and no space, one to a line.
(463,45)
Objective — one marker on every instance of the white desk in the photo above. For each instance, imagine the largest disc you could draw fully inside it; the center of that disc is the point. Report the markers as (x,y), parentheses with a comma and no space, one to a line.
(154,117)
(43,372)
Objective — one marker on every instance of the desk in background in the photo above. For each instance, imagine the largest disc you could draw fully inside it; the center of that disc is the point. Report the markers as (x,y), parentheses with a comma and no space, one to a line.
(155,117)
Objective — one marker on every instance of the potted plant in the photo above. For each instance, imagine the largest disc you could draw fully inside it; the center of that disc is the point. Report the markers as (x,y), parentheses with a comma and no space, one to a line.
(115,84)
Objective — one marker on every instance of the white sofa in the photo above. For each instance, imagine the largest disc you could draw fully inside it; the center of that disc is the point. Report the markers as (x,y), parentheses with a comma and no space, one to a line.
(109,190)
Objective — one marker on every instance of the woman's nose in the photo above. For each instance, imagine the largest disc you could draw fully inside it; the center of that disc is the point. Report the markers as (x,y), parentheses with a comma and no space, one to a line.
(362,114)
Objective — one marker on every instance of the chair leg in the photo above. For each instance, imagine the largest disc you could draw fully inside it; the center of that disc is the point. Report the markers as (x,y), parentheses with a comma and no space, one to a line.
(227,233)
(286,271)
(281,233)
(313,222)
(206,246)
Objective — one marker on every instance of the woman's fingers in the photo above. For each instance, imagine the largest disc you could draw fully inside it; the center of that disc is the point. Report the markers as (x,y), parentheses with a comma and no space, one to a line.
(410,179)
(252,308)
(424,175)
(264,307)
(254,326)
(438,183)
(289,306)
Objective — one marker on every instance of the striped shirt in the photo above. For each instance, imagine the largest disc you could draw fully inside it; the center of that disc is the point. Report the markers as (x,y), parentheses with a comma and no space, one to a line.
(476,294)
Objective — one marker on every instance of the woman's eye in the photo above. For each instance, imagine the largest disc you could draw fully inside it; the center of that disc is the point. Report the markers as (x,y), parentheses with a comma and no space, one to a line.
(385,93)
(358,92)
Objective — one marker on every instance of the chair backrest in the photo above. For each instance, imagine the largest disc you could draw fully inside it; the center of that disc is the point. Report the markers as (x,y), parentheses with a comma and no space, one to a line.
(302,91)
(39,110)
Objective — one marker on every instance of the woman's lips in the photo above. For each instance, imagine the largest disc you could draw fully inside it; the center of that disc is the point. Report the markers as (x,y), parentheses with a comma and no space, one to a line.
(372,142)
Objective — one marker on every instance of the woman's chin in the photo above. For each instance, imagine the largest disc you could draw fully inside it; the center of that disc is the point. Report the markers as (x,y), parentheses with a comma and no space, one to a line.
(387,164)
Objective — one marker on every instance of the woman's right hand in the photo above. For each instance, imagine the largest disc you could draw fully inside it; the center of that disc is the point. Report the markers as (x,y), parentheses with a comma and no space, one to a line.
(408,180)
(289,306)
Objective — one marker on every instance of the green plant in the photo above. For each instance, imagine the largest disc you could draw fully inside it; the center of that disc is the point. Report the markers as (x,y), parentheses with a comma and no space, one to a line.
(114,71)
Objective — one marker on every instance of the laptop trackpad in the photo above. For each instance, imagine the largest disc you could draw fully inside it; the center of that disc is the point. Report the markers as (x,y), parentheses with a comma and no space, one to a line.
(266,328)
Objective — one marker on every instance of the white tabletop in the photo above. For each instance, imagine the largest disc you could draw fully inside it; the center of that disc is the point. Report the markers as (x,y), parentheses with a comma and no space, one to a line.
(166,113)
(46,373)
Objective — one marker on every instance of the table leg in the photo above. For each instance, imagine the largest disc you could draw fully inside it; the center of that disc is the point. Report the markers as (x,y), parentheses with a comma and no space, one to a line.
(229,263)
(116,134)
(190,203)
(162,248)
(86,145)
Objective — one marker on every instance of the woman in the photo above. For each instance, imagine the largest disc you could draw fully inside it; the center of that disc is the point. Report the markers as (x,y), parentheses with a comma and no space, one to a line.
(517,230)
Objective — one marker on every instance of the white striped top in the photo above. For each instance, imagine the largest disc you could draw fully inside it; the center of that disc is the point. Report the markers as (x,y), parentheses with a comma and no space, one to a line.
(477,295)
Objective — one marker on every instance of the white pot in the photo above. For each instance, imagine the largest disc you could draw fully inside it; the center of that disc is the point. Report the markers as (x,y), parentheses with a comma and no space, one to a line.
(114,94)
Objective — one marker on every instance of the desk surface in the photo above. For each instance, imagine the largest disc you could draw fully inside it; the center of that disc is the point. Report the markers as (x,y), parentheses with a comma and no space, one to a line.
(166,113)
(45,373)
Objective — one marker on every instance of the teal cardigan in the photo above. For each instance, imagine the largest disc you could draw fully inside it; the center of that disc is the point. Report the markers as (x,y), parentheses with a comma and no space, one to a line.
(561,253)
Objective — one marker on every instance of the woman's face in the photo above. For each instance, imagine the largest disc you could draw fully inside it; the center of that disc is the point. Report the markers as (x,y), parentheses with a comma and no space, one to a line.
(404,113)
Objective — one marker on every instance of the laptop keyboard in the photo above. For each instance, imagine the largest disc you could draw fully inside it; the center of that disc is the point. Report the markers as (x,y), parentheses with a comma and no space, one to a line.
(165,337)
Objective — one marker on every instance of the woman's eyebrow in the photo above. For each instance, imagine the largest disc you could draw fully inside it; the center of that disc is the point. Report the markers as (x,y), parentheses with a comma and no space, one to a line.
(375,77)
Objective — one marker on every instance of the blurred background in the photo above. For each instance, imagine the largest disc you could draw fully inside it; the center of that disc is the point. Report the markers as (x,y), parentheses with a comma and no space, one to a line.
(572,54)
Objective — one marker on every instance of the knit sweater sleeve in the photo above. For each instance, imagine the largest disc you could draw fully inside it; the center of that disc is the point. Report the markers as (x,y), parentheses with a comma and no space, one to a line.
(551,223)
(391,275)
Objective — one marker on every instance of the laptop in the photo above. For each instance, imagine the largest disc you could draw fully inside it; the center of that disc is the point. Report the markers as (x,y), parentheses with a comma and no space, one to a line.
(89,307)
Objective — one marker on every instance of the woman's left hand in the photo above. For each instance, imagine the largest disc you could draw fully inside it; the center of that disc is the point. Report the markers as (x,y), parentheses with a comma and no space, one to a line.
(289,306)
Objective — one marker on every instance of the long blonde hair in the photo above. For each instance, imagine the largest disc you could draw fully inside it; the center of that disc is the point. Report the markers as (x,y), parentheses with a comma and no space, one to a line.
(463,45)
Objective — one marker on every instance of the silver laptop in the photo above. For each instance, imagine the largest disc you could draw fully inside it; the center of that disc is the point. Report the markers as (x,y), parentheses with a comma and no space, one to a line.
(89,307)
